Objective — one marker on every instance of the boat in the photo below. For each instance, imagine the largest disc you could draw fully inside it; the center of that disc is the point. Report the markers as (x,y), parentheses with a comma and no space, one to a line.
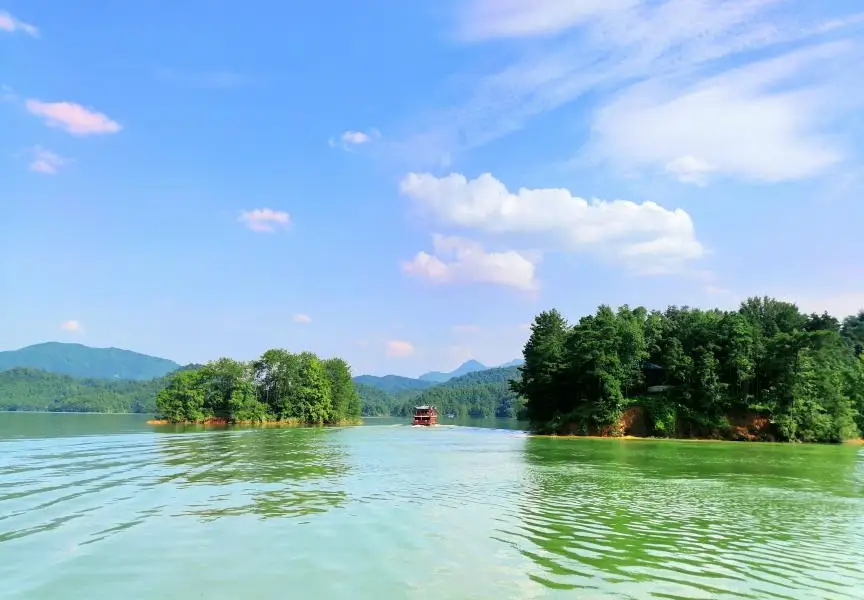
(425,415)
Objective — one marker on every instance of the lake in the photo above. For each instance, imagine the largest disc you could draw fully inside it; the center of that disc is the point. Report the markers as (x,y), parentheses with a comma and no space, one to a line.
(107,507)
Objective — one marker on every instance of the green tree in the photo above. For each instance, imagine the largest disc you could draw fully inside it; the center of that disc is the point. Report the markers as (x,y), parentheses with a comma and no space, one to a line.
(540,375)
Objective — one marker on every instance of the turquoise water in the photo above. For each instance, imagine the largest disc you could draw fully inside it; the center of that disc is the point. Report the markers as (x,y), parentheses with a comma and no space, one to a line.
(105,506)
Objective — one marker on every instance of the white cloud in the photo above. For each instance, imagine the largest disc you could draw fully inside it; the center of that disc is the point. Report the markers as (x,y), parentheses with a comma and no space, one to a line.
(760,122)
(457,260)
(73,118)
(349,139)
(265,220)
(302,318)
(10,24)
(644,237)
(72,326)
(399,349)
(601,47)
(488,19)
(46,162)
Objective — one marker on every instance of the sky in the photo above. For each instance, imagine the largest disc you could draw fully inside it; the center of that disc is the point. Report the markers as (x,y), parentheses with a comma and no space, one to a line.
(407,184)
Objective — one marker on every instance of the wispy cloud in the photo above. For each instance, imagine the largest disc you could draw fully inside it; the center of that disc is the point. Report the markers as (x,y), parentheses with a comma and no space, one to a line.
(46,162)
(73,118)
(302,318)
(265,220)
(10,24)
(652,57)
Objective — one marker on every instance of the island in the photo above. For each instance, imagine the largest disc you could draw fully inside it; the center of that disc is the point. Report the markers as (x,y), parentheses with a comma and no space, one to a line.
(279,387)
(766,371)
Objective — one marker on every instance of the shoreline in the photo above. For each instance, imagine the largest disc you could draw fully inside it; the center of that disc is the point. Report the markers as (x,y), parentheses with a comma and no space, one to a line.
(645,438)
(216,422)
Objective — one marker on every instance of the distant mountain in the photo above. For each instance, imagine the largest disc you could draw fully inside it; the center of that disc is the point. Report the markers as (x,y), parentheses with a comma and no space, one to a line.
(393,383)
(463,369)
(516,362)
(77,360)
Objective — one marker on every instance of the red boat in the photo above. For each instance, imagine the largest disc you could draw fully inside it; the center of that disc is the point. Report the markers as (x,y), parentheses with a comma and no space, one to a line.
(425,415)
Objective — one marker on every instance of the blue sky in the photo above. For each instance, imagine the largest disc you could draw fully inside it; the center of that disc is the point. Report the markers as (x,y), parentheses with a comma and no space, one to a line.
(407,184)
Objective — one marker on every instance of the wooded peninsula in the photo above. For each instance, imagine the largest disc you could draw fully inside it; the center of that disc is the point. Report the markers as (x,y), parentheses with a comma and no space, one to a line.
(278,387)
(763,372)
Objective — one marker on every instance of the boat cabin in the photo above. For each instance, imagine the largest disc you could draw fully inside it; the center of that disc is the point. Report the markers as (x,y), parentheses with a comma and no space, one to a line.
(425,415)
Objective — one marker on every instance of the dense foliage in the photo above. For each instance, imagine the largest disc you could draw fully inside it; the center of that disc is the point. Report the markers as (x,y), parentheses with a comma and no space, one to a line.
(478,394)
(393,383)
(697,372)
(84,362)
(32,390)
(279,386)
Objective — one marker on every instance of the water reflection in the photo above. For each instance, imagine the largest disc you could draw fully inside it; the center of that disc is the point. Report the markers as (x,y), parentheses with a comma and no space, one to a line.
(266,472)
(675,520)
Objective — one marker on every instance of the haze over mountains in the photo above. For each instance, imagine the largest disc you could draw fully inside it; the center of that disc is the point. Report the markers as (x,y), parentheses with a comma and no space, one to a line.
(56,376)
(77,360)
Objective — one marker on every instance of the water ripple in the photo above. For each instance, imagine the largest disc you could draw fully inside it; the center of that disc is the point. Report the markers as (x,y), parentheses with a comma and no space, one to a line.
(387,512)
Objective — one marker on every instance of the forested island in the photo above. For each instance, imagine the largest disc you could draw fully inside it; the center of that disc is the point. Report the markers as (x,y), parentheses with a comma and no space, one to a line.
(278,387)
(763,372)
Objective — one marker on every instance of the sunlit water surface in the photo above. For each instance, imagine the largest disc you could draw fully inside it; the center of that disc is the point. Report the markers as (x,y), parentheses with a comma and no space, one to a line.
(105,506)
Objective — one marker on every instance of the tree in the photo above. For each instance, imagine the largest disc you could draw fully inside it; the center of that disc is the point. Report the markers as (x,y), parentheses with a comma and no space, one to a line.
(544,361)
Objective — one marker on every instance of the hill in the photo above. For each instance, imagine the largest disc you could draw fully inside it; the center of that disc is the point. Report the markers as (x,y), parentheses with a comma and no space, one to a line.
(77,360)
(463,369)
(24,389)
(477,394)
(392,383)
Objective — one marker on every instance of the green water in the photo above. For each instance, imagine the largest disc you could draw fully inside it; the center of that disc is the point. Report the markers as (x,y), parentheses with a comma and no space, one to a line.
(102,506)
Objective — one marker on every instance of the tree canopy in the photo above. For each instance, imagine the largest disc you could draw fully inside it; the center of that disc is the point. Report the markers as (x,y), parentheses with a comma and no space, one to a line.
(277,387)
(697,372)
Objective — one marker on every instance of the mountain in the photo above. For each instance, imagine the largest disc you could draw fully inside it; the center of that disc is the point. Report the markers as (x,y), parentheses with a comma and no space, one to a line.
(463,369)
(393,383)
(77,360)
(516,362)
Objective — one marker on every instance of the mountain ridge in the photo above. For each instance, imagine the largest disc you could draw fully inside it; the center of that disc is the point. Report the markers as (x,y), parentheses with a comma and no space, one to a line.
(87,362)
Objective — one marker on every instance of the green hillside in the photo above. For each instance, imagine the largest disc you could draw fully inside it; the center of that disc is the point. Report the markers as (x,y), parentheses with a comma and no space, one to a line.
(77,360)
(32,390)
(393,383)
(478,394)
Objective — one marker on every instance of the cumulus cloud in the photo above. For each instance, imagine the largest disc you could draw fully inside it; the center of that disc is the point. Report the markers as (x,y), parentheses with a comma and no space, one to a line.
(265,220)
(302,318)
(72,326)
(350,139)
(458,260)
(72,117)
(644,237)
(399,349)
(10,24)
(46,162)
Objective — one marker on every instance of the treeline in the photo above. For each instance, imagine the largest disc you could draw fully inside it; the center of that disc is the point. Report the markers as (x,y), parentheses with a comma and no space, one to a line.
(481,394)
(277,387)
(766,371)
(24,389)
